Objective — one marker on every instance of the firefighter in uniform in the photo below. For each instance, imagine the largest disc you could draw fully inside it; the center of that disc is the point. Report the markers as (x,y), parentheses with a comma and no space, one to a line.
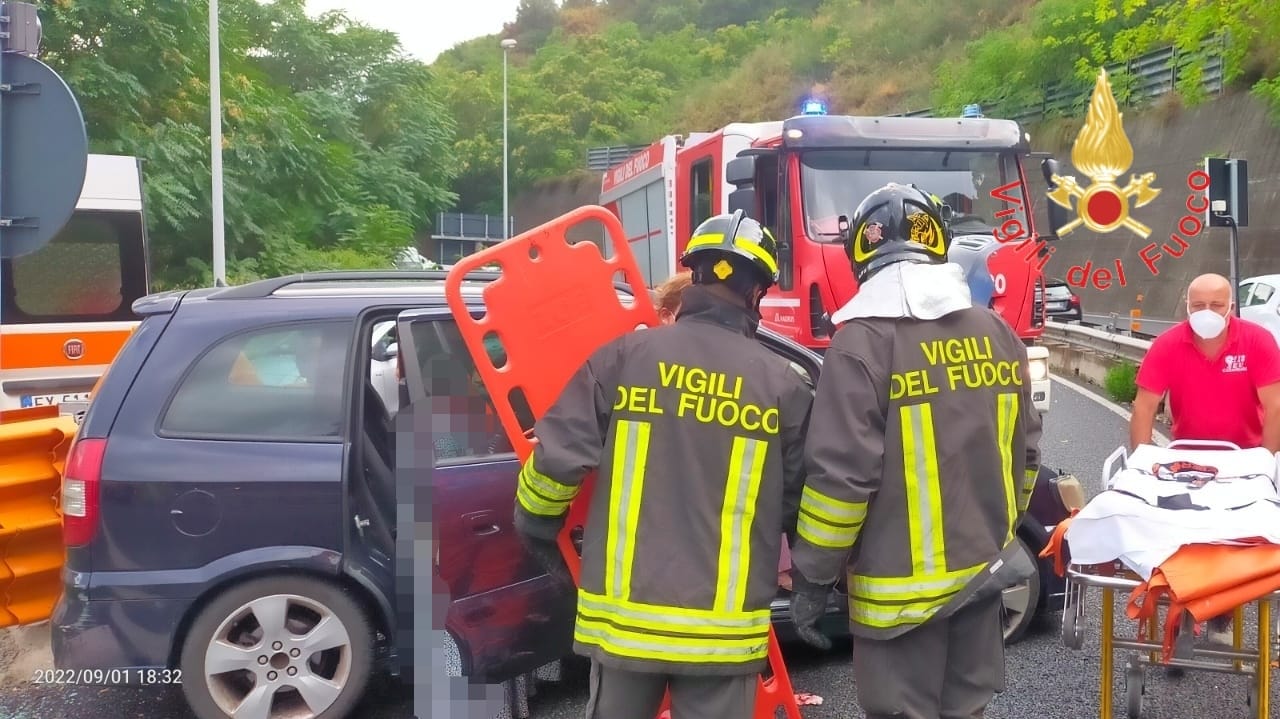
(921,456)
(696,432)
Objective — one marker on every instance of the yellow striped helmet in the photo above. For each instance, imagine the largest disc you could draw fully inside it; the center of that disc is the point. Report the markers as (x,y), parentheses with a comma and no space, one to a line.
(896,223)
(736,236)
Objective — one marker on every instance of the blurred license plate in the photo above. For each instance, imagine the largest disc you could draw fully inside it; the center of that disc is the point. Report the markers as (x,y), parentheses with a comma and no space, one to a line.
(1057,305)
(48,400)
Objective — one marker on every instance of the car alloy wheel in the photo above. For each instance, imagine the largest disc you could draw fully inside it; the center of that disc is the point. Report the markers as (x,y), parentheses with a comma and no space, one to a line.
(278,648)
(1019,602)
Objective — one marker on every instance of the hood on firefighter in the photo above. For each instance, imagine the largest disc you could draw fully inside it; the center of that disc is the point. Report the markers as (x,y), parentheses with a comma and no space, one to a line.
(909,289)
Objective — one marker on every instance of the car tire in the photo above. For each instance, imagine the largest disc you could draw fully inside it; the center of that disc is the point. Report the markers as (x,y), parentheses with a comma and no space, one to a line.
(272,665)
(1019,603)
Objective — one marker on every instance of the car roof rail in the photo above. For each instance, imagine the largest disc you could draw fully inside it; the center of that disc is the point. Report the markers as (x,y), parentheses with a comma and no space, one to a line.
(264,288)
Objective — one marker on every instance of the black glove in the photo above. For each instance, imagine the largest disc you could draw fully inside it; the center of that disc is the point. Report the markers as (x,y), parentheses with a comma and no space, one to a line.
(808,605)
(538,535)
(548,555)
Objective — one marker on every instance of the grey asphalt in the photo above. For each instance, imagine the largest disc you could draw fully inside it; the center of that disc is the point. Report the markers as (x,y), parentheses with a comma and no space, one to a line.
(1045,679)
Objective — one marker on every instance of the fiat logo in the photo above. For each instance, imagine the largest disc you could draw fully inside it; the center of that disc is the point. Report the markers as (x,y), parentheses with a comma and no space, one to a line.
(73,349)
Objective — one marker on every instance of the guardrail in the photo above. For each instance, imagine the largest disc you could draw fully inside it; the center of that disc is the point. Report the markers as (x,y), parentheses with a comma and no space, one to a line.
(1111,343)
(1148,327)
(1136,82)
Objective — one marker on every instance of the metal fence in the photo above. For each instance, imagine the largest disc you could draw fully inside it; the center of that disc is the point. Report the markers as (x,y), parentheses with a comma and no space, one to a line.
(466,226)
(600,159)
(1134,83)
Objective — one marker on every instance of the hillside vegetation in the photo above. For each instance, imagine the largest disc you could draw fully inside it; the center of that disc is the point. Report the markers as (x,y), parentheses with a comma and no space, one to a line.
(588,73)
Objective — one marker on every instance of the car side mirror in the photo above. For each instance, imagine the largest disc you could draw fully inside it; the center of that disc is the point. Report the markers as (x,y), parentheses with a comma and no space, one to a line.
(384,353)
(1057,214)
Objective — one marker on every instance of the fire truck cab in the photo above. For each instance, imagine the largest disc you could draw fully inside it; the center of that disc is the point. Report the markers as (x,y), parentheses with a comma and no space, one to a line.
(800,176)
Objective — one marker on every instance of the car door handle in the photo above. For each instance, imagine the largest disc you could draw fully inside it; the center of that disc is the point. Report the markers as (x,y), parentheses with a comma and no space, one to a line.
(482,523)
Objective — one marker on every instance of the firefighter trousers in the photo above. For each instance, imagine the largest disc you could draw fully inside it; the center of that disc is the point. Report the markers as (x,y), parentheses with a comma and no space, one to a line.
(620,694)
(945,669)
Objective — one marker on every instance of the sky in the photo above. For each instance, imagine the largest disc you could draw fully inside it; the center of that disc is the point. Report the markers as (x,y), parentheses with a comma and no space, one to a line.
(422,32)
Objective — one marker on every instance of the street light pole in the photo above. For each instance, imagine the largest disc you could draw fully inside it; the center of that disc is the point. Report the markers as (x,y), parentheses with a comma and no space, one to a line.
(215,147)
(506,215)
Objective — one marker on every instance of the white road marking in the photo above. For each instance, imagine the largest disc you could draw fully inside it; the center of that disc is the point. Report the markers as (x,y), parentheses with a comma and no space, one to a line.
(1158,436)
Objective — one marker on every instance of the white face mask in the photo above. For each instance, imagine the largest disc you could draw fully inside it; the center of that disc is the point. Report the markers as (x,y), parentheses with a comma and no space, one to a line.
(1206,323)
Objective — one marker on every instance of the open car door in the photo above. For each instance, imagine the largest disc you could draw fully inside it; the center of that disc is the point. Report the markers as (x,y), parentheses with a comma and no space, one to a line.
(554,304)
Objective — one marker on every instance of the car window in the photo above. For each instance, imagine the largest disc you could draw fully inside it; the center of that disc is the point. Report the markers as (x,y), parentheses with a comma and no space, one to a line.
(1242,294)
(276,383)
(465,424)
(1058,292)
(1261,295)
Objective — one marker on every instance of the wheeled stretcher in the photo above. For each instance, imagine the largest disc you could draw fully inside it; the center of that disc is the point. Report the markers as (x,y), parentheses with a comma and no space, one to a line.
(1234,488)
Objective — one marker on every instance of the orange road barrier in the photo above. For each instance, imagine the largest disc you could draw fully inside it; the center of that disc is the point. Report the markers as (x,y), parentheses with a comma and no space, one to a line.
(32,454)
(554,305)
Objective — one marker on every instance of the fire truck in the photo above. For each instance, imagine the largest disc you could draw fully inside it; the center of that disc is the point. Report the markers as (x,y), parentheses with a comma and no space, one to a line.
(802,177)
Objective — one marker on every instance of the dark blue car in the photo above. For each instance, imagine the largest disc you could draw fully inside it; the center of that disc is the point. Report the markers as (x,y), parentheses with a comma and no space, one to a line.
(232,513)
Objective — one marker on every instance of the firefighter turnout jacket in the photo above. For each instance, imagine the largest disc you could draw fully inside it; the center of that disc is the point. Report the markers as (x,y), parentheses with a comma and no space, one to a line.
(696,432)
(923,451)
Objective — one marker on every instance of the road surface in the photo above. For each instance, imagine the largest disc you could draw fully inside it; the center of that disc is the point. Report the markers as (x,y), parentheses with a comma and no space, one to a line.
(1045,679)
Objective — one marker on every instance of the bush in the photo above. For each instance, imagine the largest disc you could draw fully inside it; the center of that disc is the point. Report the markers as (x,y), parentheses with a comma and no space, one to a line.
(1121,381)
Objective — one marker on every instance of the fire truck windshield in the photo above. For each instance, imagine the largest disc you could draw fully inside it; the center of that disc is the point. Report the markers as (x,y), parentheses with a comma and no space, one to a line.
(835,181)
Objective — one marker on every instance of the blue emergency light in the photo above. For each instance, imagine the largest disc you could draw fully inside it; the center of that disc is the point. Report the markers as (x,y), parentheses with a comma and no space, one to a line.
(813,107)
(974,110)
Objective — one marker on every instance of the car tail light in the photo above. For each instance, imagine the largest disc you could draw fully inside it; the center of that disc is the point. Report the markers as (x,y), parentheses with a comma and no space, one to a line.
(80,488)
(1075,299)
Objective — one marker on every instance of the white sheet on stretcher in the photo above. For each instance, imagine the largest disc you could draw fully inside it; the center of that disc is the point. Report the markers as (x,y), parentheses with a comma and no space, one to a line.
(1125,523)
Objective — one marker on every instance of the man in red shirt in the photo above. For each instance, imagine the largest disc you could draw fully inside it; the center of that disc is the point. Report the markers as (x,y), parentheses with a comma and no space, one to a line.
(1222,376)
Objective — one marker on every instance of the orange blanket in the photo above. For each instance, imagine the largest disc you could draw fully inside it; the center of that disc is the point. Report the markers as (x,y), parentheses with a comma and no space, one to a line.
(1206,580)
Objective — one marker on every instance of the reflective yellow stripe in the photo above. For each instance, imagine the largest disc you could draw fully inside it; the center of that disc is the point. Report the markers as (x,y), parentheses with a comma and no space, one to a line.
(894,615)
(641,610)
(746,467)
(541,495)
(672,620)
(546,486)
(1029,478)
(641,645)
(884,602)
(1006,420)
(717,238)
(825,521)
(534,504)
(897,589)
(924,495)
(630,452)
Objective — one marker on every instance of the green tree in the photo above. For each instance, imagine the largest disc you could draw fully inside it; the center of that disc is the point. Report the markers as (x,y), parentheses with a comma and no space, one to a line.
(333,141)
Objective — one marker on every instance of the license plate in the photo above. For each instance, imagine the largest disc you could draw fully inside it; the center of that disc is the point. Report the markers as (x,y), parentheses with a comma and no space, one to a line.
(1057,305)
(49,400)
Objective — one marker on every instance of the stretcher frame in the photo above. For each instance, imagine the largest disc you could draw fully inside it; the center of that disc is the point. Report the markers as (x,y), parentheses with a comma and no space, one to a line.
(529,309)
(1254,662)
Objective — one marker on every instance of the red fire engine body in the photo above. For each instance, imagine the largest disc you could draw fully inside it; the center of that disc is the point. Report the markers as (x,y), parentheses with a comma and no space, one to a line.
(800,175)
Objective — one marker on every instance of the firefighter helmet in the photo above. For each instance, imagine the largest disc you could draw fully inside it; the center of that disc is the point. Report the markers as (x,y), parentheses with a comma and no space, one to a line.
(896,223)
(739,241)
